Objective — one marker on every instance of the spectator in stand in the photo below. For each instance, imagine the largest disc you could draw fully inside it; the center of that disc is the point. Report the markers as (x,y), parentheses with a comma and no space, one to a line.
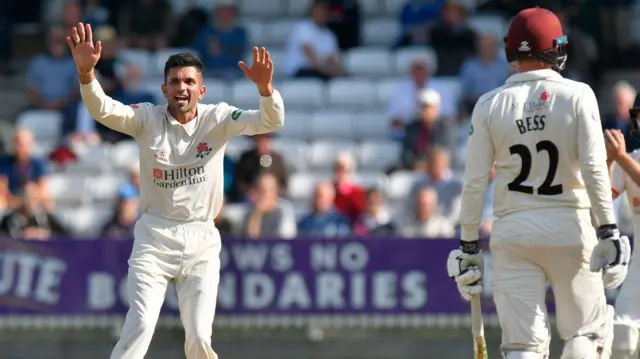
(259,159)
(107,65)
(22,167)
(125,215)
(441,178)
(483,72)
(416,17)
(131,188)
(52,79)
(7,200)
(71,14)
(146,24)
(5,36)
(224,226)
(193,17)
(229,168)
(582,50)
(223,43)
(350,198)
(30,220)
(312,49)
(96,14)
(424,221)
(344,21)
(623,97)
(452,38)
(269,215)
(376,220)
(428,130)
(324,220)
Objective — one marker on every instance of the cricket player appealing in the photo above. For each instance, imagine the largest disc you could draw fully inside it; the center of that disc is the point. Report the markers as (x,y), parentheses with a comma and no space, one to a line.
(181,147)
(625,173)
(543,134)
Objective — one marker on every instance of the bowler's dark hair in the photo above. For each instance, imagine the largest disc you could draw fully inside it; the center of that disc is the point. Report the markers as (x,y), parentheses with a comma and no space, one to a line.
(184,59)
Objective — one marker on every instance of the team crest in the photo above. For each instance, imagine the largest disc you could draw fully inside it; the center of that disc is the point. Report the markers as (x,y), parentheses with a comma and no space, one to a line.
(203,150)
(235,115)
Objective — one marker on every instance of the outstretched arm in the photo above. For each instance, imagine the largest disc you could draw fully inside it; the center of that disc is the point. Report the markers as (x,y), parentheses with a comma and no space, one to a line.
(616,151)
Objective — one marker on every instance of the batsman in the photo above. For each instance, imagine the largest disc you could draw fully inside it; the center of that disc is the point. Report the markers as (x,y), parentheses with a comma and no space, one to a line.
(543,134)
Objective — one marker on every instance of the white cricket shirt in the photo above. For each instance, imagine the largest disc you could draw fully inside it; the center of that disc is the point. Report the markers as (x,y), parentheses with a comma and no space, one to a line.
(543,133)
(181,176)
(621,183)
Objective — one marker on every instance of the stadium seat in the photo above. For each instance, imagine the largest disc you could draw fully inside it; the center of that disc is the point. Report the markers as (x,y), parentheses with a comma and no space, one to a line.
(296,125)
(45,125)
(405,56)
(332,125)
(125,154)
(85,221)
(244,95)
(67,189)
(494,25)
(235,213)
(301,184)
(262,8)
(384,31)
(323,153)
(450,88)
(237,145)
(277,56)
(401,183)
(216,91)
(372,7)
(92,159)
(298,8)
(104,188)
(379,155)
(278,32)
(372,179)
(257,32)
(141,58)
(352,94)
(293,151)
(303,94)
(44,148)
(159,59)
(372,62)
(394,6)
(387,88)
(153,85)
(371,125)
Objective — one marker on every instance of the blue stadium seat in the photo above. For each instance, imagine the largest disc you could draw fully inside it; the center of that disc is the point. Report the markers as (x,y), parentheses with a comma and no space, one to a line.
(296,125)
(278,32)
(293,151)
(323,153)
(371,179)
(217,91)
(374,62)
(378,155)
(405,56)
(381,31)
(372,125)
(67,190)
(301,184)
(44,124)
(349,93)
(304,94)
(332,125)
(125,154)
(402,182)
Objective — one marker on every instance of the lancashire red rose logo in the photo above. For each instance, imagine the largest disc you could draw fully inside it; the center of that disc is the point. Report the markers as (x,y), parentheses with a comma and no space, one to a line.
(203,150)
(158,174)
(134,106)
(544,96)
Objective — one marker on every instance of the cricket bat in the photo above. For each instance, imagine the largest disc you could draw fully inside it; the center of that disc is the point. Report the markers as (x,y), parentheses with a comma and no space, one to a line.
(477,328)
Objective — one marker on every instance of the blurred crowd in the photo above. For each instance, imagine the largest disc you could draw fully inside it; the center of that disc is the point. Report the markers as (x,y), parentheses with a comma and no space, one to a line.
(427,122)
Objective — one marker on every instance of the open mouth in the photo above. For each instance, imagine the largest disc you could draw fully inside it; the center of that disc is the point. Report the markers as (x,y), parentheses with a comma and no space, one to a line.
(182,100)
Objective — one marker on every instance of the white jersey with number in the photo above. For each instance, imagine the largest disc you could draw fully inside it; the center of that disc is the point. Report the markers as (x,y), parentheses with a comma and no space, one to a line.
(544,135)
(621,183)
(181,175)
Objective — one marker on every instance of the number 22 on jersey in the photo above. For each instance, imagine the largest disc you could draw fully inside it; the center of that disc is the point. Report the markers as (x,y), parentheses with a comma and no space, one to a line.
(547,188)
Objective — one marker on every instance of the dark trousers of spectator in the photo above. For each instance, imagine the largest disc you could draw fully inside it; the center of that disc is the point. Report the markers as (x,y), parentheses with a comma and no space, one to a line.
(311,73)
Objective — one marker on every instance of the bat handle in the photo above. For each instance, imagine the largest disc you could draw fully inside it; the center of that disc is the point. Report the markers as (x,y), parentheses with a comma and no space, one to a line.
(477,324)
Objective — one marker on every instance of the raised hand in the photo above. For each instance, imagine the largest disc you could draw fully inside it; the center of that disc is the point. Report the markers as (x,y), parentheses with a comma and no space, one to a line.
(615,143)
(261,71)
(85,53)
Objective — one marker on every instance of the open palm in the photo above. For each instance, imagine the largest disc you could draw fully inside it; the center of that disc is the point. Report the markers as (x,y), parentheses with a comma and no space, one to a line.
(261,71)
(85,53)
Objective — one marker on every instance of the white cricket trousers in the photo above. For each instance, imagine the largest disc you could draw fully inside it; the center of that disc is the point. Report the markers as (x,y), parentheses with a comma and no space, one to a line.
(531,248)
(187,254)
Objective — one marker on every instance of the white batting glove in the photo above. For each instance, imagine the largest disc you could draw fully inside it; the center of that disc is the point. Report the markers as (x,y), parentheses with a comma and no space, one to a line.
(466,265)
(611,256)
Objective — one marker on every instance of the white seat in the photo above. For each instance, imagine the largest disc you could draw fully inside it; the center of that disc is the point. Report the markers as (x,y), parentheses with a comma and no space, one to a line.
(93,158)
(85,221)
(332,124)
(387,88)
(494,25)
(302,184)
(372,7)
(296,125)
(257,31)
(405,56)
(293,151)
(235,213)
(262,8)
(45,125)
(237,146)
(402,182)
(67,189)
(153,86)
(380,155)
(244,95)
(279,32)
(371,125)
(124,154)
(105,187)
(384,31)
(142,58)
(216,91)
(44,148)
(352,93)
(277,57)
(369,180)
(368,61)
(298,8)
(394,6)
(450,88)
(323,154)
(304,94)
(159,59)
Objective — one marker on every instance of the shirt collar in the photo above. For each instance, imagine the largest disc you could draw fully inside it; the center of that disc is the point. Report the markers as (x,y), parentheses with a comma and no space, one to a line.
(188,127)
(533,76)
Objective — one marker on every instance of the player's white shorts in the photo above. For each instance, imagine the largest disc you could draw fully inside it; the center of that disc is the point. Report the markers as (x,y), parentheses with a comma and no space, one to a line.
(530,248)
(187,254)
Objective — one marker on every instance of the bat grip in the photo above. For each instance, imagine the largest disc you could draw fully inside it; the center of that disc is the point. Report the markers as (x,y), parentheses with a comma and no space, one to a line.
(477,325)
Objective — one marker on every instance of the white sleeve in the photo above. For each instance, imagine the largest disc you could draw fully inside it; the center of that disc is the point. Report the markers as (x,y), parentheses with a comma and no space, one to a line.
(111,113)
(593,156)
(480,159)
(617,181)
(253,122)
